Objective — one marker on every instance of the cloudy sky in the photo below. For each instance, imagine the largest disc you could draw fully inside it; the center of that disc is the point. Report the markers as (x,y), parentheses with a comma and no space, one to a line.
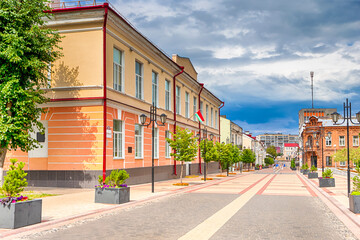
(257,55)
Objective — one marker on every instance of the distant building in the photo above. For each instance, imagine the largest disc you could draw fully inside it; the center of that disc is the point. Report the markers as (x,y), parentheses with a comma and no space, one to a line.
(291,150)
(277,140)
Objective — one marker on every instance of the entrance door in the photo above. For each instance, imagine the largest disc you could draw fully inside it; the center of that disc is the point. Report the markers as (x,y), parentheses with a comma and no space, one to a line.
(313,161)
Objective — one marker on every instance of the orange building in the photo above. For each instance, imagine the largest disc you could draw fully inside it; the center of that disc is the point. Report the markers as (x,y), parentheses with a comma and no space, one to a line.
(108,76)
(328,138)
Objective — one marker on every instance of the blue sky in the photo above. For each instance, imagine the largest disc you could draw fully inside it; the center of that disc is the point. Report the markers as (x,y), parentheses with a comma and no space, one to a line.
(257,55)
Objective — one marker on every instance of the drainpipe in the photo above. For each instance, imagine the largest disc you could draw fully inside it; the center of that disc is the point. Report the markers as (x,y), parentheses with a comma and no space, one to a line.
(174,90)
(222,105)
(106,6)
(202,87)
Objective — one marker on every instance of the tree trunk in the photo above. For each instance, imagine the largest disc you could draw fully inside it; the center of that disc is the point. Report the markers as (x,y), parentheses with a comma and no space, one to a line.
(181,171)
(227,171)
(2,160)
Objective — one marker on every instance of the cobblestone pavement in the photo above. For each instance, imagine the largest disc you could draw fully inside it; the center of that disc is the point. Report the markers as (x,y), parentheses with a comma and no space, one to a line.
(252,206)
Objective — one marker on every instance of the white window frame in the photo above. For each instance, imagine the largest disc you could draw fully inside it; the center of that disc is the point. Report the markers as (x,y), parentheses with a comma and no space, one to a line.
(341,143)
(207,114)
(326,161)
(119,154)
(156,143)
(355,141)
(216,120)
(167,95)
(155,88)
(187,105)
(178,100)
(342,163)
(328,141)
(194,107)
(118,79)
(139,81)
(141,137)
(167,145)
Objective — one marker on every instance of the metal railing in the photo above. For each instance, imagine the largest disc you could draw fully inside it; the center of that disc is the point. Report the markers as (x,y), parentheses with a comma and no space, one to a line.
(57,4)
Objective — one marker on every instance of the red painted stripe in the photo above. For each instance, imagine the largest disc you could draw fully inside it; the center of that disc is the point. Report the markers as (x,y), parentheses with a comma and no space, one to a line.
(252,185)
(307,187)
(265,186)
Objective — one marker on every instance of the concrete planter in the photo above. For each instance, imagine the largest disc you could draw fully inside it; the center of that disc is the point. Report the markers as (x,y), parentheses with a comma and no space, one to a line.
(354,203)
(112,195)
(313,175)
(20,214)
(326,182)
(301,170)
(294,169)
(306,172)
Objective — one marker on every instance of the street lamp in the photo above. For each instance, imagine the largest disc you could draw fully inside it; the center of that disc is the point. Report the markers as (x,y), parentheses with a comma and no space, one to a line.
(204,137)
(347,116)
(153,120)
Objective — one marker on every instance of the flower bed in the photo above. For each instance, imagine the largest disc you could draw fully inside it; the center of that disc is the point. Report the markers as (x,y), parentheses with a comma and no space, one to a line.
(221,175)
(192,176)
(181,184)
(207,178)
(232,173)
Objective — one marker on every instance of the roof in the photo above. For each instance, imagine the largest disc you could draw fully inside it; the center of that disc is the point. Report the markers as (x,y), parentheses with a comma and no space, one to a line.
(291,145)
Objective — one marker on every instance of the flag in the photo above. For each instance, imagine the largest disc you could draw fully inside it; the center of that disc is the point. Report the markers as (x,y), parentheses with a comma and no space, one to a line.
(199,116)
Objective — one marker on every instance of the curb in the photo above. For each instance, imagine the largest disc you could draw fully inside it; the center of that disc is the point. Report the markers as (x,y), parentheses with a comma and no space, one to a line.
(343,210)
(46,225)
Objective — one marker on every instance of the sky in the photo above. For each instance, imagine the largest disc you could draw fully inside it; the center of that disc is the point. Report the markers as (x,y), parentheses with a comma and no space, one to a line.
(256,56)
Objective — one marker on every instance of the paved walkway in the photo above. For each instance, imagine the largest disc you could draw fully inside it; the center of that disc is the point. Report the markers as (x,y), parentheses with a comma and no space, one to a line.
(265,204)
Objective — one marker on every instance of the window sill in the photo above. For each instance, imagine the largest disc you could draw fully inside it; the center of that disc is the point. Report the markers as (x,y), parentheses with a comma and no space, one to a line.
(139,158)
(118,158)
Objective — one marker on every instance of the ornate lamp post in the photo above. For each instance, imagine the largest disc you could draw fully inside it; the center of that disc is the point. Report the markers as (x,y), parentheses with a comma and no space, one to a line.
(347,116)
(153,120)
(204,137)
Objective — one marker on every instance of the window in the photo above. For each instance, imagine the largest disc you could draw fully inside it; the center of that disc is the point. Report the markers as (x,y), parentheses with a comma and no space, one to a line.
(138,141)
(216,120)
(167,95)
(328,161)
(342,141)
(167,145)
(194,108)
(212,117)
(343,163)
(328,141)
(154,89)
(118,70)
(138,80)
(207,115)
(187,104)
(355,140)
(118,139)
(156,143)
(178,100)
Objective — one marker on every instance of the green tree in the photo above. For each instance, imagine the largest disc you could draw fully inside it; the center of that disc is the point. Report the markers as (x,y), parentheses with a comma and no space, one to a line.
(248,156)
(236,154)
(185,146)
(14,181)
(208,151)
(27,48)
(272,152)
(341,155)
(225,155)
(269,161)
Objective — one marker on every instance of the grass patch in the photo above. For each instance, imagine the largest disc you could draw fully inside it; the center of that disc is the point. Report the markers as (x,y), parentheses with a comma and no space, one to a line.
(31,195)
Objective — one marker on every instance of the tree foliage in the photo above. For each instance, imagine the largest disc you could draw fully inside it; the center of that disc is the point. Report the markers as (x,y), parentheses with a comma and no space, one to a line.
(27,48)
(269,161)
(272,152)
(341,155)
(225,155)
(208,151)
(248,156)
(185,146)
(14,181)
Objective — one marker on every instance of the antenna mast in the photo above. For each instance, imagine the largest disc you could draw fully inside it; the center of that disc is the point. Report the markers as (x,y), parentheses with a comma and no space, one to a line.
(312,89)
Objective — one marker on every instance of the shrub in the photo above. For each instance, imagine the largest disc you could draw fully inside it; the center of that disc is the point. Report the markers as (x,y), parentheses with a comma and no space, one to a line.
(257,166)
(14,181)
(305,166)
(117,178)
(313,168)
(293,164)
(327,173)
(356,183)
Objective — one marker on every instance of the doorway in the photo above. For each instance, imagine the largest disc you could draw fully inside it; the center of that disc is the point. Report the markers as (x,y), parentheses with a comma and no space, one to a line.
(313,161)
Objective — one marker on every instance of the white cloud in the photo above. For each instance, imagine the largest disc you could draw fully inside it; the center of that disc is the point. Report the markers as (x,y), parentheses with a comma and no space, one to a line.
(278,125)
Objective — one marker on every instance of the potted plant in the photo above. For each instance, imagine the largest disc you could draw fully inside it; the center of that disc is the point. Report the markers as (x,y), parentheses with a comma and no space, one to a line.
(113,190)
(354,198)
(306,169)
(327,179)
(313,173)
(16,210)
(257,167)
(292,165)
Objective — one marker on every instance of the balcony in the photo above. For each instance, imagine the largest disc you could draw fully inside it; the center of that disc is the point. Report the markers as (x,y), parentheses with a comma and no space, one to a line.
(58,4)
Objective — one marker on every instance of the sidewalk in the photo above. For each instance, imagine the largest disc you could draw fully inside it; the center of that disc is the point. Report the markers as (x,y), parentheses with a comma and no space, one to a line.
(76,204)
(337,200)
